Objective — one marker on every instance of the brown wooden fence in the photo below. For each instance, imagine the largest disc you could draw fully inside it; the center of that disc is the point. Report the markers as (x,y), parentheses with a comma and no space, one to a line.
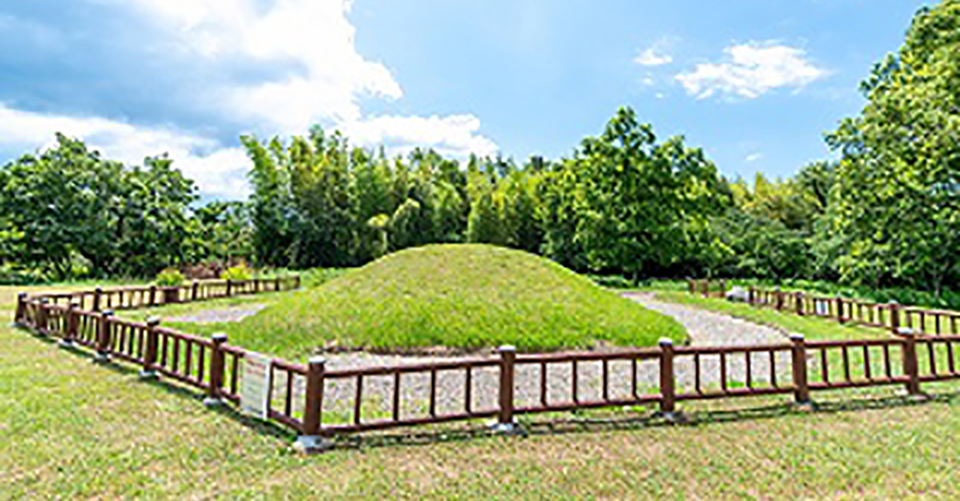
(318,403)
(891,316)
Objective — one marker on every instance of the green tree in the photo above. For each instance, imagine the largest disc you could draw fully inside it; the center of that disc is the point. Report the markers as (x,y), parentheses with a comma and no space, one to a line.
(897,190)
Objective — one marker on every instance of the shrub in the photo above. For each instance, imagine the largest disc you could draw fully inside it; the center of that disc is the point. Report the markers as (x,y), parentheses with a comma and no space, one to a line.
(170,277)
(239,272)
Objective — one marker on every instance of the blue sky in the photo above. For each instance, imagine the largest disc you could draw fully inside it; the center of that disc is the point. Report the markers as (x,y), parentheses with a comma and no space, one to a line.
(753,82)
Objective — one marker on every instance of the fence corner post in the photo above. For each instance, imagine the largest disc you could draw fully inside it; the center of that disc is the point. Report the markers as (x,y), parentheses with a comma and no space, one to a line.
(506,424)
(798,364)
(21,312)
(668,393)
(72,326)
(150,352)
(798,298)
(311,438)
(103,337)
(215,390)
(911,365)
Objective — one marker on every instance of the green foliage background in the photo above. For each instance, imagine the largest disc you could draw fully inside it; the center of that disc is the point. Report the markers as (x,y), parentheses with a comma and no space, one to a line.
(884,215)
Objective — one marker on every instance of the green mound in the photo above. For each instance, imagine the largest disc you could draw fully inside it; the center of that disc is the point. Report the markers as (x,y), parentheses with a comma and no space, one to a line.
(461,296)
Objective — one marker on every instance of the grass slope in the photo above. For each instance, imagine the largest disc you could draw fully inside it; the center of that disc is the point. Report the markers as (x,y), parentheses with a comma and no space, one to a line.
(463,296)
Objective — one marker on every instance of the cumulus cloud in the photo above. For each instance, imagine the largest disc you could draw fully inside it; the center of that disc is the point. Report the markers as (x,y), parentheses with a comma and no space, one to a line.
(454,135)
(751,71)
(655,55)
(315,35)
(263,66)
(753,157)
(218,171)
(652,57)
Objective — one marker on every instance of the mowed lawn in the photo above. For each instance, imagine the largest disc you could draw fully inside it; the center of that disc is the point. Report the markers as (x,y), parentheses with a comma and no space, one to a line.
(75,430)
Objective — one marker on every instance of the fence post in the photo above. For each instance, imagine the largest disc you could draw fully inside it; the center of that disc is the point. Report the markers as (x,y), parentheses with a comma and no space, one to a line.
(668,394)
(778,298)
(751,294)
(18,318)
(256,285)
(311,438)
(839,309)
(691,286)
(97,293)
(894,317)
(42,315)
(153,295)
(296,281)
(505,422)
(194,290)
(103,337)
(798,363)
(150,353)
(911,366)
(798,297)
(705,288)
(214,392)
(72,326)
(229,286)
(723,289)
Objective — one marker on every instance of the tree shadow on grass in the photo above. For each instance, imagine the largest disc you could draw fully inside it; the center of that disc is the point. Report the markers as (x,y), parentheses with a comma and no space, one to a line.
(582,422)
(580,425)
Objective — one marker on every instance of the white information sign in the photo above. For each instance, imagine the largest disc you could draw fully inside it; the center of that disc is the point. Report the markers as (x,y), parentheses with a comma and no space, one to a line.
(255,384)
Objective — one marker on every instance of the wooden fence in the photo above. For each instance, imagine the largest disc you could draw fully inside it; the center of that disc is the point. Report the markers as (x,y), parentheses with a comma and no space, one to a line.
(891,316)
(318,403)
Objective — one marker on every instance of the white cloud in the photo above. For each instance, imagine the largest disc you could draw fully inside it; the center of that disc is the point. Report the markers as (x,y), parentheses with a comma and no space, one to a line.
(217,171)
(314,74)
(454,135)
(653,56)
(315,35)
(753,157)
(753,69)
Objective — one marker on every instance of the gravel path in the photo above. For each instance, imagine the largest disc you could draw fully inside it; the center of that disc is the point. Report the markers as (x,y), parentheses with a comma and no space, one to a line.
(705,329)
(229,314)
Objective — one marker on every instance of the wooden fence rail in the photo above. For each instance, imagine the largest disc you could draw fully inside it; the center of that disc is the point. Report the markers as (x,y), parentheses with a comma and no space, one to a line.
(318,403)
(891,316)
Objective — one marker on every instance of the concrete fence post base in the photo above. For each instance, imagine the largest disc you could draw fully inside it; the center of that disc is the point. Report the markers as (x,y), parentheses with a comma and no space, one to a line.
(673,417)
(312,444)
(212,402)
(510,429)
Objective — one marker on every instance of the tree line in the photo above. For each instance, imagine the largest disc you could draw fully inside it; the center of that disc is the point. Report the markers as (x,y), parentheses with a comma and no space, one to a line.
(885,213)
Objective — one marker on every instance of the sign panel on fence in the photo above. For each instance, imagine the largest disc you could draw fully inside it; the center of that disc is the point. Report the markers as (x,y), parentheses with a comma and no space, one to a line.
(255,384)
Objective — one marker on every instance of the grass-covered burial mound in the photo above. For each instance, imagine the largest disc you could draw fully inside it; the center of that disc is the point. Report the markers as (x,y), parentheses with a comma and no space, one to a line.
(460,296)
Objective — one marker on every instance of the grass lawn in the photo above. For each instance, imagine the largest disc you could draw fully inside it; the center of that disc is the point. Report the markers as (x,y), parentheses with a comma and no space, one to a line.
(75,430)
(461,296)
